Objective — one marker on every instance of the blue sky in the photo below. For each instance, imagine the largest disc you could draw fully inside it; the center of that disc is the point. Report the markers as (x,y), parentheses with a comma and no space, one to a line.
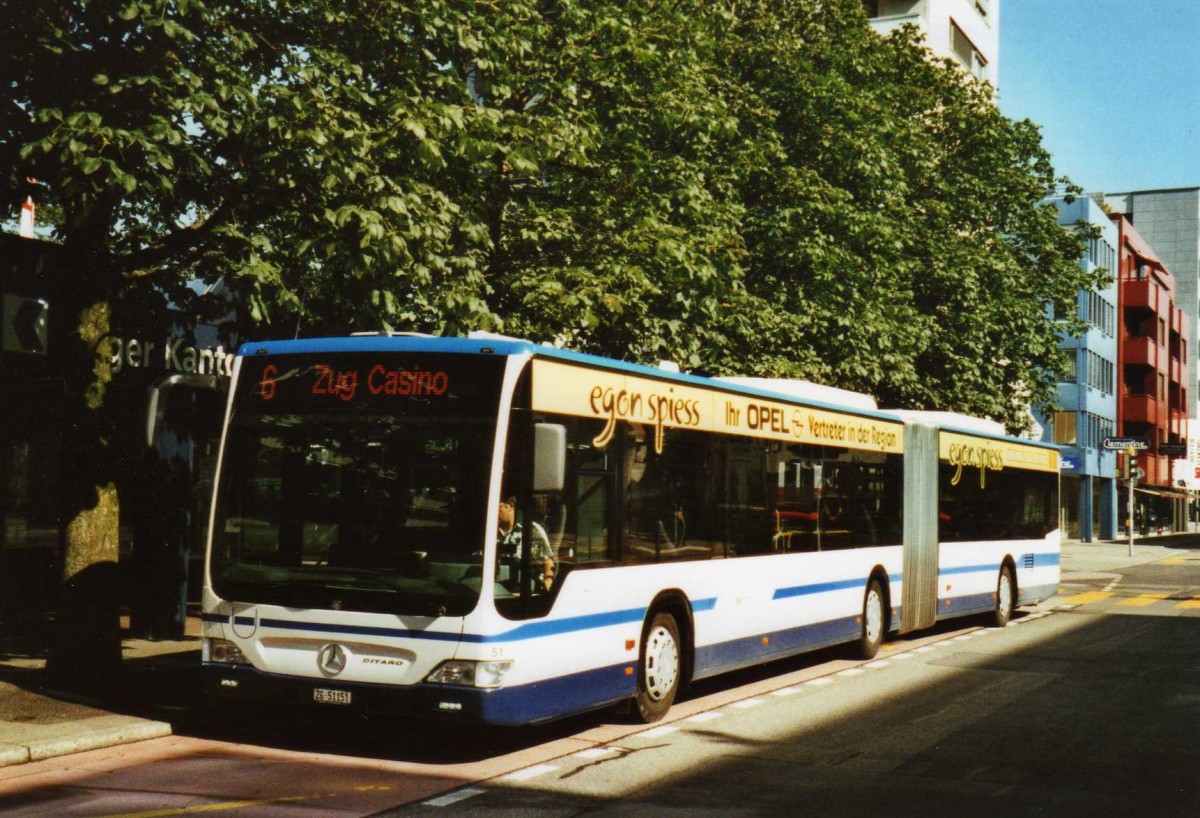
(1115,85)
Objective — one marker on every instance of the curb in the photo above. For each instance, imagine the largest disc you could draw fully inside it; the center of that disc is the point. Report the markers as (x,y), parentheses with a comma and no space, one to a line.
(23,743)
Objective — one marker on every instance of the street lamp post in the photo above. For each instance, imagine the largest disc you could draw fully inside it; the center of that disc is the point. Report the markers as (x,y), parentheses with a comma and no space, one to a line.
(1131,453)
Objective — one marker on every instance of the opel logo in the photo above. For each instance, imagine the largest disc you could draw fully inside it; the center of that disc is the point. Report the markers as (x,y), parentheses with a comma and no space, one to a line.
(331,659)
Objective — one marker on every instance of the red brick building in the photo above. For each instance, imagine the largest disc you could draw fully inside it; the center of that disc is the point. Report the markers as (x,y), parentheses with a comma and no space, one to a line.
(1151,358)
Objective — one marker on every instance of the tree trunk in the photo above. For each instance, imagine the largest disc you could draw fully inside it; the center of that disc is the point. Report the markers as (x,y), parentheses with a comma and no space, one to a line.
(86,650)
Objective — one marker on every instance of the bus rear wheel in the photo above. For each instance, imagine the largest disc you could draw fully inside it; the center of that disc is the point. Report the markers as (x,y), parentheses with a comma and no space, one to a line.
(658,668)
(872,621)
(1004,598)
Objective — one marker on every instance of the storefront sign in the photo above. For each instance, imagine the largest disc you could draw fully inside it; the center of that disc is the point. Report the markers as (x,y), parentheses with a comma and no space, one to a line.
(172,355)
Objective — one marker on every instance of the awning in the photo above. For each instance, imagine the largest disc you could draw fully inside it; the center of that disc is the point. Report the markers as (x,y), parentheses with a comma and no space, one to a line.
(1174,495)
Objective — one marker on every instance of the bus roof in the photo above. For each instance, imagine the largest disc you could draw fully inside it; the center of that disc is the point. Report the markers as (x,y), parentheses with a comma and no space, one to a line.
(490,344)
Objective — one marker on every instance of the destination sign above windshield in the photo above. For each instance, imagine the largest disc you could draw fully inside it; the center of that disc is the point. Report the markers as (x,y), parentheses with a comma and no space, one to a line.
(380,381)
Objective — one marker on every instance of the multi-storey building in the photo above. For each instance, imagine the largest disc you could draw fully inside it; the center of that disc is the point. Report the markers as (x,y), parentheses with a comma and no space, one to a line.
(1170,221)
(1087,394)
(964,30)
(1152,359)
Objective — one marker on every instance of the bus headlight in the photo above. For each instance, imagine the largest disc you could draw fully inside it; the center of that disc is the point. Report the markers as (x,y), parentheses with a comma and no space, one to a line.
(470,674)
(224,651)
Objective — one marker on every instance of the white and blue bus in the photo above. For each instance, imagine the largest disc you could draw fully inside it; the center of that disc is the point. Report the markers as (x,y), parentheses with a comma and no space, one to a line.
(493,530)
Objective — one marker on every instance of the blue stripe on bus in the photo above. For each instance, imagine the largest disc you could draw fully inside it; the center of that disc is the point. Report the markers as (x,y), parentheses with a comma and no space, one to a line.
(530,630)
(386,343)
(969,569)
(1040,560)
(824,587)
(556,627)
(359,630)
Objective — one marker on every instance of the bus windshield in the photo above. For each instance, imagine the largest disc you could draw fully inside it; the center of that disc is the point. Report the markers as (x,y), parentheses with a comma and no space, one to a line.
(367,496)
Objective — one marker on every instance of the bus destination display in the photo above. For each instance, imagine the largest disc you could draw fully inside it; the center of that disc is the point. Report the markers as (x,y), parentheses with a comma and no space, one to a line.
(379,381)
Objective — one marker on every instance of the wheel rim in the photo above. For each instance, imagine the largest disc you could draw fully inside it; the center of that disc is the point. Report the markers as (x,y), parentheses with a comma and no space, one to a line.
(874,616)
(662,663)
(1004,603)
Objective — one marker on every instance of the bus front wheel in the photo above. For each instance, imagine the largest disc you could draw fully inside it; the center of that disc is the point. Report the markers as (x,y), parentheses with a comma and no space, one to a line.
(658,668)
(872,621)
(1004,598)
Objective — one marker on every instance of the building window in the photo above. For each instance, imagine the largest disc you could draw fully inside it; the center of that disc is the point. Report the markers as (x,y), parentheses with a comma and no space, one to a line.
(1101,314)
(1101,373)
(965,50)
(1064,428)
(871,7)
(1071,373)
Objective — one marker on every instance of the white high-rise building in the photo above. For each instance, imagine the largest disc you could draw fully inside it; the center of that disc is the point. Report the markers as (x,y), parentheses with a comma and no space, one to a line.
(964,30)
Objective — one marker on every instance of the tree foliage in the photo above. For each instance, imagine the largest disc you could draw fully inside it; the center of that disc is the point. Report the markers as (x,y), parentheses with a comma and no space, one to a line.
(765,186)
(757,187)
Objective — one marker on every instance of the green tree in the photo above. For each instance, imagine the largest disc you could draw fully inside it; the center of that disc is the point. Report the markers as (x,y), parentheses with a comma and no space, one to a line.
(761,187)
(247,140)
(895,238)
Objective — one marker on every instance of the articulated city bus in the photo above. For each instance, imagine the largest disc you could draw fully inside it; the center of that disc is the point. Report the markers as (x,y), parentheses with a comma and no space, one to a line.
(492,530)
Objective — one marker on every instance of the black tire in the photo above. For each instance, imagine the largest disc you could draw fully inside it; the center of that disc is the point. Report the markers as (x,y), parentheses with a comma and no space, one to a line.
(874,620)
(659,668)
(1005,593)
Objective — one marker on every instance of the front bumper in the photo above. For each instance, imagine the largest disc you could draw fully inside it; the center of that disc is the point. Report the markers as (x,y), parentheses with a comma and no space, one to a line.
(509,706)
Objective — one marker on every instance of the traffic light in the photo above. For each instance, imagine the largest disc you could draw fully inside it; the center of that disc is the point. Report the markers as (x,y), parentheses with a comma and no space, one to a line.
(1124,465)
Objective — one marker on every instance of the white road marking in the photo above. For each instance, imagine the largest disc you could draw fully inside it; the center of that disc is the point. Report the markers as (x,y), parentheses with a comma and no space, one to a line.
(530,772)
(595,752)
(655,732)
(700,718)
(454,797)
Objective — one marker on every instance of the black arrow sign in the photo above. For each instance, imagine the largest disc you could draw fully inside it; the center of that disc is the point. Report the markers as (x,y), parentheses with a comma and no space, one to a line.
(25,321)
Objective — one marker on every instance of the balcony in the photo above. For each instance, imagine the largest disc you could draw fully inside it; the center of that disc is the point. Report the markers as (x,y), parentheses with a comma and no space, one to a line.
(1141,294)
(1140,352)
(1142,409)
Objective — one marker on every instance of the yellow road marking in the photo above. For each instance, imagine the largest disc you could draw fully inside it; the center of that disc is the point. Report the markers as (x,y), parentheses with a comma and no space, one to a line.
(1174,561)
(1194,602)
(1085,598)
(199,808)
(219,806)
(1142,600)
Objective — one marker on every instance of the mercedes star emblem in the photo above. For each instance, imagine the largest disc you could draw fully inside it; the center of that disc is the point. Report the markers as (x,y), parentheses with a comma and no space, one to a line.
(331,659)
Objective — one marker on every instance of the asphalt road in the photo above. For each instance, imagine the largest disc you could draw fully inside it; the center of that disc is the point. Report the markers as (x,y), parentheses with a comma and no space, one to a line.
(1090,706)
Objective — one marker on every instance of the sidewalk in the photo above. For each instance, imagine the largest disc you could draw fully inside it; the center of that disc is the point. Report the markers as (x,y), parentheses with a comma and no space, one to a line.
(1082,559)
(36,722)
(161,677)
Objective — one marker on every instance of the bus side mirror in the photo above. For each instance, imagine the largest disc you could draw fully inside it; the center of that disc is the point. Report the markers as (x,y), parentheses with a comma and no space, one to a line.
(549,456)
